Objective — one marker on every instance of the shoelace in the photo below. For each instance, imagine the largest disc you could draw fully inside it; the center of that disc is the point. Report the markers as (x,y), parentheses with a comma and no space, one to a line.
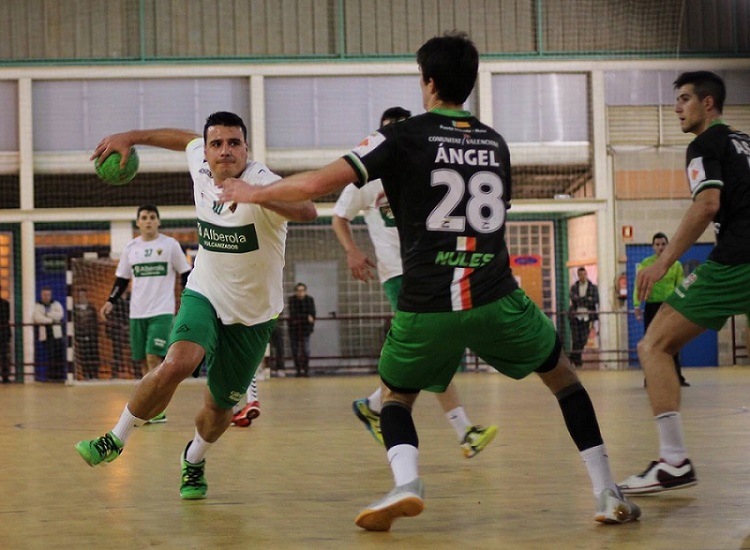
(192,475)
(106,445)
(647,470)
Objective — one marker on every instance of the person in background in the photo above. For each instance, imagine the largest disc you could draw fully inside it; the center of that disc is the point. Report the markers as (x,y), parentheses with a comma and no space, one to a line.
(86,335)
(48,315)
(152,260)
(116,326)
(277,351)
(661,291)
(301,326)
(584,306)
(381,226)
(5,334)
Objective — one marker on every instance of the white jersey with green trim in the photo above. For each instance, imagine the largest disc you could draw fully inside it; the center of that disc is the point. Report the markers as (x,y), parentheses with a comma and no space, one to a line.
(153,266)
(240,260)
(370,199)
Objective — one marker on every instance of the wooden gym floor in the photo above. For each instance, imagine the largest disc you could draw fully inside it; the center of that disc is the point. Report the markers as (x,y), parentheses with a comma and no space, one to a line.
(300,474)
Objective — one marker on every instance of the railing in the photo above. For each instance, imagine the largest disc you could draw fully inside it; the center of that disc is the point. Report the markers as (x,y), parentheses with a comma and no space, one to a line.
(356,349)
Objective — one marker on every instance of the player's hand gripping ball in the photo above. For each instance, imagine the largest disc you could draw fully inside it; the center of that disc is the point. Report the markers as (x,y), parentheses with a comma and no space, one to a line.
(110,171)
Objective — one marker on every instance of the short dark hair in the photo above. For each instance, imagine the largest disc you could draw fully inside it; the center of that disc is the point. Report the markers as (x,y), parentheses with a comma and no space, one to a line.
(147,208)
(581,269)
(224,118)
(659,235)
(452,62)
(705,84)
(303,285)
(394,114)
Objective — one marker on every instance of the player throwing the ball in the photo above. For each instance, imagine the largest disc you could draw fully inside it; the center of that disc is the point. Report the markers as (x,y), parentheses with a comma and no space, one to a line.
(233,296)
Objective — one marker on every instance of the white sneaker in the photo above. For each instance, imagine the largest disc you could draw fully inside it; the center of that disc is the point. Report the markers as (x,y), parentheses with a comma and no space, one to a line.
(660,476)
(614,508)
(404,500)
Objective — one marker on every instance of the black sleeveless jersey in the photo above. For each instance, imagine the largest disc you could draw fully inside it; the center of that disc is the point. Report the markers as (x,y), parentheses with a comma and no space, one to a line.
(720,158)
(447,178)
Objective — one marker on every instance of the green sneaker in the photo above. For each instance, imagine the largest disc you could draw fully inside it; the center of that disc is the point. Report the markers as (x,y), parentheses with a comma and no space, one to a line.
(102,449)
(476,439)
(369,418)
(193,485)
(160,418)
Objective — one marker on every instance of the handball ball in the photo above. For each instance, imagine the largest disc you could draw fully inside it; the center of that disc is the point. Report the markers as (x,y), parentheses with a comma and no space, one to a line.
(110,171)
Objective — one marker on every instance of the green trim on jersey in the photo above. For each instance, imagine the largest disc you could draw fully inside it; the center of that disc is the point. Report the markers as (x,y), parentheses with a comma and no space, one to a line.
(451,112)
(708,184)
(422,350)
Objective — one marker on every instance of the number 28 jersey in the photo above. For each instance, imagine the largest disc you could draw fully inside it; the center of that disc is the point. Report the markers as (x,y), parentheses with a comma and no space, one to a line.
(447,178)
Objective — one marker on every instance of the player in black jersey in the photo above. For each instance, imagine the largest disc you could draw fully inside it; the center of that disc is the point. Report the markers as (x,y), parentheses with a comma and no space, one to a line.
(448,181)
(718,171)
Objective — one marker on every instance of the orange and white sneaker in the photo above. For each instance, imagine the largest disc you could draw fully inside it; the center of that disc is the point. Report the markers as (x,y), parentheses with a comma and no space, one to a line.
(245,417)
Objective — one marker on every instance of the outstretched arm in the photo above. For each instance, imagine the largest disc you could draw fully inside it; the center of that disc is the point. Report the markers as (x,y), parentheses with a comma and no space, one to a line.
(299,187)
(298,211)
(165,138)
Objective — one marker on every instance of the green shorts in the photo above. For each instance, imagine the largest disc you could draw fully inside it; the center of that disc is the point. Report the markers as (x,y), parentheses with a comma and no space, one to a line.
(422,350)
(149,336)
(713,293)
(392,288)
(233,352)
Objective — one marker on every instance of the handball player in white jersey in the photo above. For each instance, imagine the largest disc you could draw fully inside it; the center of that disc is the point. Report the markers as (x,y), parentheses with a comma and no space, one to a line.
(371,200)
(233,296)
(152,260)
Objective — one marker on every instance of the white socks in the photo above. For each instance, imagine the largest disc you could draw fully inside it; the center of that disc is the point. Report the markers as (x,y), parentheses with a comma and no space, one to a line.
(671,438)
(403,459)
(597,464)
(125,425)
(252,390)
(457,417)
(460,422)
(198,449)
(250,395)
(375,402)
